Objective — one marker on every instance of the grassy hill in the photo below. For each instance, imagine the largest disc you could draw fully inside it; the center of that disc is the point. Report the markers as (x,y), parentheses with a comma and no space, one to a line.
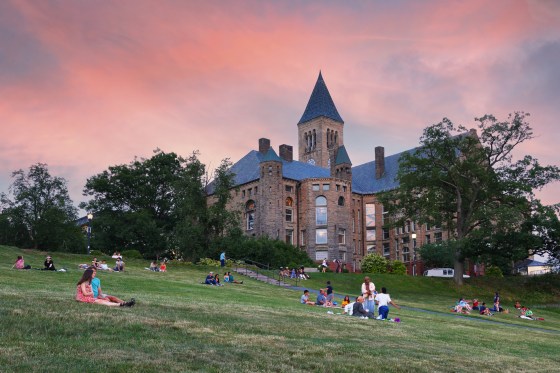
(179,325)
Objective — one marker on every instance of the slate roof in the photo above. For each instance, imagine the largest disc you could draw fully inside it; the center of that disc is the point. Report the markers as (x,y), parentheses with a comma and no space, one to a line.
(320,104)
(363,176)
(530,263)
(342,156)
(271,156)
(247,169)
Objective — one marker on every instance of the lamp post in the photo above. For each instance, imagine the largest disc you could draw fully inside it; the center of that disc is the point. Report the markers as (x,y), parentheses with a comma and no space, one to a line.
(414,253)
(89,218)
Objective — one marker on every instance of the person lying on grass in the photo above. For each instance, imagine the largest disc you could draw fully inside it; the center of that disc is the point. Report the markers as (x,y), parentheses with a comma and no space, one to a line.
(85,294)
(98,293)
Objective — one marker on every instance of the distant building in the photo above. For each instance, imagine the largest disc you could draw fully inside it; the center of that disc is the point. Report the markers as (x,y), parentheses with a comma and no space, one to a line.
(321,202)
(531,267)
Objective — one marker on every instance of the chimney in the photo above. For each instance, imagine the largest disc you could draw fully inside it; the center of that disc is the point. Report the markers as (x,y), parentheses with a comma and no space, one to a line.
(379,162)
(286,152)
(264,145)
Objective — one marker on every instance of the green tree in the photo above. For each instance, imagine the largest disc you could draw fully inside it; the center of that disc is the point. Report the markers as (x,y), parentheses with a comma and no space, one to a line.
(221,219)
(440,254)
(137,206)
(39,213)
(470,185)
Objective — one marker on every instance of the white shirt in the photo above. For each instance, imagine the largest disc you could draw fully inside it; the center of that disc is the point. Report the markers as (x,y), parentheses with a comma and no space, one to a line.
(371,289)
(383,299)
(349,308)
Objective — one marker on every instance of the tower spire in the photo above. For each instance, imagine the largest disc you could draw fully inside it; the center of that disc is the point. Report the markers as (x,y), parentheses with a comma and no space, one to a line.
(320,103)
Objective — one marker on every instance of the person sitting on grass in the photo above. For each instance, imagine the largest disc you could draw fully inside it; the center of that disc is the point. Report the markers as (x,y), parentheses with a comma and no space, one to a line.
(20,263)
(154,267)
(119,265)
(485,311)
(349,308)
(305,298)
(104,267)
(475,304)
(210,280)
(383,300)
(358,309)
(517,305)
(98,293)
(321,298)
(85,294)
(163,267)
(233,280)
(49,265)
(345,301)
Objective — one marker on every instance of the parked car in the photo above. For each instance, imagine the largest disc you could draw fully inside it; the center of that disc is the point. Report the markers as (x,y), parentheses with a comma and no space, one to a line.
(441,272)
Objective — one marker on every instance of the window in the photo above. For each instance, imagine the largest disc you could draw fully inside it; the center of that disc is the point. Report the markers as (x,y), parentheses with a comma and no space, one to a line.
(289,188)
(386,249)
(341,201)
(337,188)
(250,192)
(370,215)
(406,254)
(344,188)
(302,240)
(289,202)
(341,236)
(243,193)
(428,238)
(370,234)
(326,186)
(383,214)
(289,236)
(320,236)
(250,215)
(385,233)
(315,187)
(438,237)
(256,190)
(321,211)
(320,255)
(370,248)
(288,215)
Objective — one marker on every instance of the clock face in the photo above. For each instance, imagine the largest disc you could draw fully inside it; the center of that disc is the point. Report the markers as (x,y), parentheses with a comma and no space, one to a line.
(311,161)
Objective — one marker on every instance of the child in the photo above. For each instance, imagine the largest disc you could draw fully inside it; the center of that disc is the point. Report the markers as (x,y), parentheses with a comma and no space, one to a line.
(345,301)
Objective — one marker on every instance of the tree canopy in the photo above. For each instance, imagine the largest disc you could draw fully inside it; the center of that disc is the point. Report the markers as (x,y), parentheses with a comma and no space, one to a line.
(468,183)
(39,213)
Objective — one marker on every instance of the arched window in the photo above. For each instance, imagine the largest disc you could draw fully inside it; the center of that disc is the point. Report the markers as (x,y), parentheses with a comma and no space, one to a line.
(341,201)
(250,214)
(320,210)
(314,145)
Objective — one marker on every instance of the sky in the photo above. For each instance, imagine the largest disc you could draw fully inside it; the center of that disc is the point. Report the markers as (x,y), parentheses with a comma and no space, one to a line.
(85,85)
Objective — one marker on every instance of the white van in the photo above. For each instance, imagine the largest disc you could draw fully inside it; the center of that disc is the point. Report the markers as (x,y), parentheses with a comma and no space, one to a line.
(441,272)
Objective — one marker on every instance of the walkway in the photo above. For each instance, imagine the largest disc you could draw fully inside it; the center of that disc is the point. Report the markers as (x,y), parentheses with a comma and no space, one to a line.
(268,280)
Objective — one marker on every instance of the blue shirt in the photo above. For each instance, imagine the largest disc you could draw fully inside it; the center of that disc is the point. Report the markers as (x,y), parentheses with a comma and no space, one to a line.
(321,299)
(95,284)
(223,256)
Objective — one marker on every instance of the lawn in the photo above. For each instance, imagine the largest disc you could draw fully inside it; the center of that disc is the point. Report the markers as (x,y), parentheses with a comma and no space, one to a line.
(179,325)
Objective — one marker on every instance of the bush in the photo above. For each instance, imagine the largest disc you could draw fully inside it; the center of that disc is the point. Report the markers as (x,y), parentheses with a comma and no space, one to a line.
(374,263)
(494,271)
(398,267)
(96,253)
(132,254)
(208,262)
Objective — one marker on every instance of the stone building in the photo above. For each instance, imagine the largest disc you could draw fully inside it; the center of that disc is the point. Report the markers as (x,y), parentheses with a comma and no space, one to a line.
(321,202)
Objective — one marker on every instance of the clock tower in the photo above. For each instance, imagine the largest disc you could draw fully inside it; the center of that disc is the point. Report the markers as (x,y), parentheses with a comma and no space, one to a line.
(320,129)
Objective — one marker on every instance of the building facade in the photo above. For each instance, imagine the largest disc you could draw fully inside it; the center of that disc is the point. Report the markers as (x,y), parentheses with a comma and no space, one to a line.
(321,202)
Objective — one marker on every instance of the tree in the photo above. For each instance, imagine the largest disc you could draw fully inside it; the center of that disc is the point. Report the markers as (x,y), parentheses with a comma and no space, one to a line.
(439,254)
(40,213)
(136,206)
(221,220)
(471,186)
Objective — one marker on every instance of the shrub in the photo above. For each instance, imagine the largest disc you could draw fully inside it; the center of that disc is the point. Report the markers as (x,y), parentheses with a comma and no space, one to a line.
(374,263)
(96,253)
(208,262)
(398,267)
(132,254)
(494,271)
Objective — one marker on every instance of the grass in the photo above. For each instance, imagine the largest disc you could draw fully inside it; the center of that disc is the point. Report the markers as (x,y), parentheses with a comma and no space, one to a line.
(179,325)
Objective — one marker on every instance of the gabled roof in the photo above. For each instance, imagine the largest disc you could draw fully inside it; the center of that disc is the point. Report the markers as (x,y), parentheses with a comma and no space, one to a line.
(342,156)
(320,104)
(247,169)
(271,156)
(531,263)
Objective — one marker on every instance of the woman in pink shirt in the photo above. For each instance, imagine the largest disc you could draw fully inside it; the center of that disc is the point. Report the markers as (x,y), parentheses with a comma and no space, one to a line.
(20,263)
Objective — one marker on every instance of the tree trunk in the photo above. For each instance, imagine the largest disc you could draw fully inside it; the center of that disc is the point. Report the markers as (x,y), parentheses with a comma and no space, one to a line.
(459,268)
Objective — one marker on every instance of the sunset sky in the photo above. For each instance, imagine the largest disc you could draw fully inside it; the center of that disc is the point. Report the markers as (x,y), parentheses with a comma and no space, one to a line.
(89,84)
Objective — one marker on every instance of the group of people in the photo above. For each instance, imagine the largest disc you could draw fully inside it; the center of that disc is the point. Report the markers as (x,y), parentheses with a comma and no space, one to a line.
(299,273)
(103,266)
(155,268)
(325,266)
(214,279)
(88,290)
(464,306)
(47,266)
(363,306)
